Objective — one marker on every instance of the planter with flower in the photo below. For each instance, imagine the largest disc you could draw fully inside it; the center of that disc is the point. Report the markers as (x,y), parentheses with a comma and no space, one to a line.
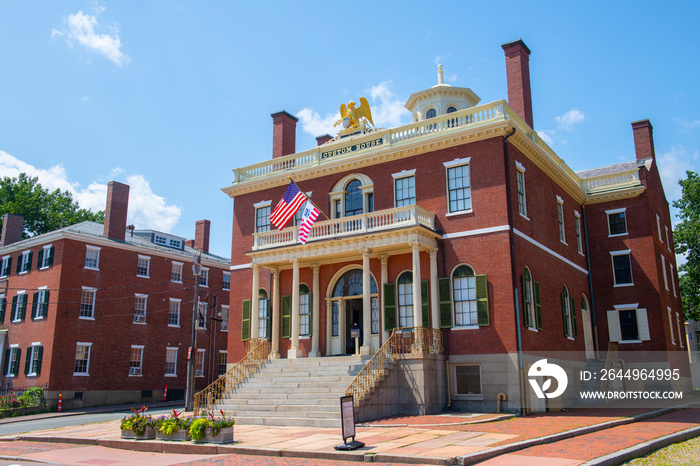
(212,429)
(174,427)
(138,426)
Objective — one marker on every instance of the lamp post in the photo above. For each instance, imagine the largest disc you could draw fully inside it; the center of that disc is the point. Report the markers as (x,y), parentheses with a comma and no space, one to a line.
(189,392)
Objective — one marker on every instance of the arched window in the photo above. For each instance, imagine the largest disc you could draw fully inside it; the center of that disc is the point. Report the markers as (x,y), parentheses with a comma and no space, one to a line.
(464,296)
(263,314)
(568,310)
(532,312)
(352,195)
(405,295)
(430,114)
(353,198)
(304,310)
(451,109)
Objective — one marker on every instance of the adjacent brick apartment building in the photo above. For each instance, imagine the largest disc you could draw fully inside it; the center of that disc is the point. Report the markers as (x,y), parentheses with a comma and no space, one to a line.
(103,313)
(464,220)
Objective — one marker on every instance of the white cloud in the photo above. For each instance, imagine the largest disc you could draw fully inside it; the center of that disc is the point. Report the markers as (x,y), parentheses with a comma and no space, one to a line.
(567,121)
(672,167)
(147,210)
(387,112)
(547,136)
(84,29)
(451,77)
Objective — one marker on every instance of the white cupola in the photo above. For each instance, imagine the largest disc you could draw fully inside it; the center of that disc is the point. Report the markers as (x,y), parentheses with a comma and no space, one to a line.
(440,99)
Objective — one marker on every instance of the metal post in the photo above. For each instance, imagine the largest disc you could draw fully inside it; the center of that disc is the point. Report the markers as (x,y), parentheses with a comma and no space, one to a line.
(189,396)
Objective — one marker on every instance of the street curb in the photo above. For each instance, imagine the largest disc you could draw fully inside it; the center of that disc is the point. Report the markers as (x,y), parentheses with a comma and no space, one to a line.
(477,457)
(26,460)
(644,449)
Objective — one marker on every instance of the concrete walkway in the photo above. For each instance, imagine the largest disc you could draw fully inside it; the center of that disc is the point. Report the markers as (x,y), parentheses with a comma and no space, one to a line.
(566,438)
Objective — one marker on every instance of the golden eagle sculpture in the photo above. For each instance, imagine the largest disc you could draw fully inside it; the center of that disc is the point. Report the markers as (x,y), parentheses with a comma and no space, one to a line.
(350,116)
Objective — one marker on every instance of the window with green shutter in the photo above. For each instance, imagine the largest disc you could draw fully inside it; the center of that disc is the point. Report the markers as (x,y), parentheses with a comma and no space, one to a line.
(245,320)
(425,303)
(538,306)
(445,298)
(389,291)
(287,316)
(482,301)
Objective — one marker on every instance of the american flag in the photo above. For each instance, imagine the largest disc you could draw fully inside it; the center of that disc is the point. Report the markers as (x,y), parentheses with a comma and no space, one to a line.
(288,206)
(307,220)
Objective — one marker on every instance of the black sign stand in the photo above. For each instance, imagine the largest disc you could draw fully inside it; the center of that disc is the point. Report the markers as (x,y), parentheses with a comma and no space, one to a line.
(347,413)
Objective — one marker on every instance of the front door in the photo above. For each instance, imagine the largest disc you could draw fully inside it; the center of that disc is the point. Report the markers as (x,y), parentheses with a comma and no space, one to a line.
(588,334)
(353,320)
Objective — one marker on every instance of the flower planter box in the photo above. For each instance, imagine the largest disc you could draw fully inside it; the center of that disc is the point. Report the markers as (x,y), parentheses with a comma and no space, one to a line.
(149,434)
(225,435)
(179,436)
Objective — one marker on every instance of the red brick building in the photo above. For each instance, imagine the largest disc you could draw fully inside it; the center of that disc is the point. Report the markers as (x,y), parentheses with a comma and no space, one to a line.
(103,313)
(515,253)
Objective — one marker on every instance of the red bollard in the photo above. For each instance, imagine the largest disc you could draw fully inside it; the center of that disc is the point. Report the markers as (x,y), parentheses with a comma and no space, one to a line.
(165,393)
(60,402)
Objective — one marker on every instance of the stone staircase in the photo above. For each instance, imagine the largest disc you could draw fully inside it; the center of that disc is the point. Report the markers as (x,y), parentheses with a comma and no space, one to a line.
(294,392)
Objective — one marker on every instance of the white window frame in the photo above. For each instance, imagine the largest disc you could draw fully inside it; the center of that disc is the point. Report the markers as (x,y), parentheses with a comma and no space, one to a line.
(177,302)
(224,317)
(31,354)
(44,257)
(225,282)
(168,351)
(472,396)
(560,220)
(3,266)
(94,250)
(87,363)
(670,325)
(175,266)
(612,261)
(579,239)
(14,350)
(668,241)
(133,370)
(681,335)
(93,291)
(614,332)
(139,265)
(204,277)
(610,212)
(471,303)
(658,227)
(404,174)
(520,180)
(199,371)
(455,164)
(41,301)
(26,262)
(663,267)
(262,205)
(14,316)
(304,313)
(218,366)
(140,317)
(673,280)
(404,302)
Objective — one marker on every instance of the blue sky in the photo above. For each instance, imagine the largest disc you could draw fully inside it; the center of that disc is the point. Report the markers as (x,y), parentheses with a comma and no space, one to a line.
(170,96)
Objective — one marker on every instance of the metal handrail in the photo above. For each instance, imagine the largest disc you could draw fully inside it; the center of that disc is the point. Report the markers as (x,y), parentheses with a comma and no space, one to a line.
(258,353)
(404,340)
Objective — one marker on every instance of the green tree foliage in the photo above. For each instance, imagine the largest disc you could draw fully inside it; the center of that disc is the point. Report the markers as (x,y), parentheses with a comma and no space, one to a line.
(43,211)
(686,236)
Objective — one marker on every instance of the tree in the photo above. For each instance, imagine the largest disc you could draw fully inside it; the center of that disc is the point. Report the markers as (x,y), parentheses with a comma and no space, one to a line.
(43,211)
(686,236)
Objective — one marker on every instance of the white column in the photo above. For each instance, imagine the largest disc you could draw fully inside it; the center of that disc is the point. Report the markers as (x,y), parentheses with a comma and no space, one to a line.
(366,305)
(316,312)
(385,279)
(275,354)
(417,301)
(294,351)
(434,298)
(329,326)
(254,302)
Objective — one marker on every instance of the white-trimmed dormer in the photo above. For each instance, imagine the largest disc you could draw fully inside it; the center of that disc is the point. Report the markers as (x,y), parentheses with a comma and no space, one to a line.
(440,100)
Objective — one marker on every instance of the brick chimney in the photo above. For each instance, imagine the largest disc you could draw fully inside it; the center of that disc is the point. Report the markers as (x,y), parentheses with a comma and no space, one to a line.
(643,140)
(320,140)
(201,236)
(518,77)
(284,134)
(115,213)
(12,227)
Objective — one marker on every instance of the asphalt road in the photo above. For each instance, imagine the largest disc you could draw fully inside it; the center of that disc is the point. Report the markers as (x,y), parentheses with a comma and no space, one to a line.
(22,426)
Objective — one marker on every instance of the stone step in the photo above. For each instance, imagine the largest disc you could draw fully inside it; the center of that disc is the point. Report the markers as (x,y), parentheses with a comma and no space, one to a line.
(306,401)
(271,388)
(297,396)
(281,408)
(279,414)
(308,379)
(302,374)
(288,421)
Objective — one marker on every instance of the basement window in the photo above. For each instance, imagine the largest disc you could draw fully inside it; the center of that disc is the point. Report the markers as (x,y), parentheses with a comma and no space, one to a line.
(468,379)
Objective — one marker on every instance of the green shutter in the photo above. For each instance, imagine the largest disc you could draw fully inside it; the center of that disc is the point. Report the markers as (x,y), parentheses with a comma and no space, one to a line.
(40,356)
(19,264)
(6,363)
(563,314)
(572,309)
(50,260)
(268,327)
(3,306)
(15,362)
(445,297)
(45,305)
(13,310)
(482,301)
(29,262)
(39,257)
(6,271)
(538,306)
(245,320)
(311,314)
(526,308)
(287,316)
(389,292)
(425,303)
(35,302)
(27,360)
